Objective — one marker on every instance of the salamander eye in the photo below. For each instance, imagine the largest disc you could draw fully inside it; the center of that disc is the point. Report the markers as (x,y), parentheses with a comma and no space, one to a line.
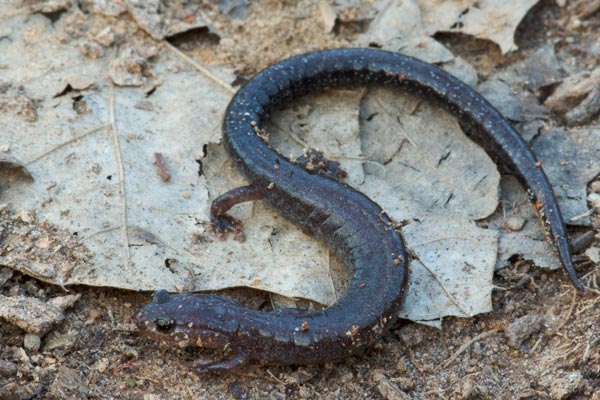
(164,324)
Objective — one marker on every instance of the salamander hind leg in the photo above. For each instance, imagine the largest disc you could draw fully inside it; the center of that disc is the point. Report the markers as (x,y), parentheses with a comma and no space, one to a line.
(223,223)
(314,161)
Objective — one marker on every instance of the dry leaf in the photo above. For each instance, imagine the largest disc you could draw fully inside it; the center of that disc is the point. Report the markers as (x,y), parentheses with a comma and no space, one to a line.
(398,27)
(94,174)
(495,20)
(412,159)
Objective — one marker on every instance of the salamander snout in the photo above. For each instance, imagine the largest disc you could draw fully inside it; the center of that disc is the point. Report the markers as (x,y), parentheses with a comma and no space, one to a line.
(204,320)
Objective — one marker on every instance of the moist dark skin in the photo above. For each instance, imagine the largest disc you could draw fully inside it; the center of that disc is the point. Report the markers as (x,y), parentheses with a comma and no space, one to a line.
(356,229)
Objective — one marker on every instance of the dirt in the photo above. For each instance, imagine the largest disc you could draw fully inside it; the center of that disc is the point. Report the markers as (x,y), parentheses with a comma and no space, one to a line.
(542,339)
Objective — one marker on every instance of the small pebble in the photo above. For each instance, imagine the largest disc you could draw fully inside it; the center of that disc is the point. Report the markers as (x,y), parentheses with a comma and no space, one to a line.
(594,254)
(328,16)
(520,329)
(387,389)
(514,223)
(227,43)
(79,82)
(466,389)
(565,386)
(347,378)
(32,342)
(7,368)
(594,199)
(105,37)
(91,50)
(411,335)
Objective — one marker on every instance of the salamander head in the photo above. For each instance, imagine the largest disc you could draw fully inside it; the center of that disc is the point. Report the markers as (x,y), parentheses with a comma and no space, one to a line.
(185,319)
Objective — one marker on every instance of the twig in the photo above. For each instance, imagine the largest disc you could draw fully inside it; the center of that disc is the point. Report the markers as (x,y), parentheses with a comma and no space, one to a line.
(274,377)
(537,343)
(568,353)
(413,360)
(364,393)
(571,308)
(117,148)
(444,238)
(452,299)
(293,134)
(467,345)
(586,352)
(100,232)
(584,215)
(58,146)
(199,67)
(587,307)
(585,8)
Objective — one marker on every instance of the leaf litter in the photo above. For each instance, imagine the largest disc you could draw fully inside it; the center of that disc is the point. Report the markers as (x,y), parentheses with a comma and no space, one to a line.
(147,234)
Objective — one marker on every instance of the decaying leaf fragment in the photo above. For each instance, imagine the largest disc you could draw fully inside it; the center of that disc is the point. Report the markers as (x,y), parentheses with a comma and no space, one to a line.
(13,166)
(132,67)
(577,97)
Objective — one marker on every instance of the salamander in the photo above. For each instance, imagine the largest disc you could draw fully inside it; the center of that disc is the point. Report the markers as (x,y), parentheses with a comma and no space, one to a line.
(350,224)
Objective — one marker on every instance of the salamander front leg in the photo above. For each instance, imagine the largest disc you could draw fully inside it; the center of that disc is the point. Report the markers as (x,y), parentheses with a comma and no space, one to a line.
(221,222)
(218,366)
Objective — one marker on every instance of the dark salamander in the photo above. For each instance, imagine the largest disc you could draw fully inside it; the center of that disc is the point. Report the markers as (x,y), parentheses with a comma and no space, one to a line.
(356,229)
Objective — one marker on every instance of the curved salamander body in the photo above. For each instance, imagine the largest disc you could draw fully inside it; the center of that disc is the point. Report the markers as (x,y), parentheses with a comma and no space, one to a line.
(356,229)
